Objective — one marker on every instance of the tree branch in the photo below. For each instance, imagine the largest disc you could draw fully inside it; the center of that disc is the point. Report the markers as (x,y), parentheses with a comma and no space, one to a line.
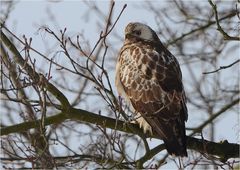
(210,23)
(34,75)
(62,160)
(214,116)
(219,28)
(223,150)
(222,67)
(151,153)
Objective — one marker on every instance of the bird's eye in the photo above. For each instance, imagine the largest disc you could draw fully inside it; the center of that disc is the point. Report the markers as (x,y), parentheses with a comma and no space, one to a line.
(137,32)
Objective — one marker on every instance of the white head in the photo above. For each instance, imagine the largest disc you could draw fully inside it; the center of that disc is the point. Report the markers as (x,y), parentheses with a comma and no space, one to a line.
(141,31)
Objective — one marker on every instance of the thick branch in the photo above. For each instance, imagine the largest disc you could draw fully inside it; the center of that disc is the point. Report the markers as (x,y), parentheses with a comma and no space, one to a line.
(224,150)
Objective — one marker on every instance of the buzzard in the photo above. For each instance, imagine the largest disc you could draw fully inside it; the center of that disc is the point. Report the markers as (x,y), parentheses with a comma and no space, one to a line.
(148,76)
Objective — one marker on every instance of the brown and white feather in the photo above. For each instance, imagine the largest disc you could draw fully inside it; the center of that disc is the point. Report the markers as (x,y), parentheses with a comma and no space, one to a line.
(148,76)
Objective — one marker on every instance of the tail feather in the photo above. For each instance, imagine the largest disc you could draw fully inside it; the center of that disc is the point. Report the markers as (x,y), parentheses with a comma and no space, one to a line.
(175,148)
(176,144)
(172,132)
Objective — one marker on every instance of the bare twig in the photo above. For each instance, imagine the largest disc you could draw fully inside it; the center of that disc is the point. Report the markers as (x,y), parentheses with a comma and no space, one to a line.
(222,67)
(38,77)
(219,28)
(214,116)
(200,28)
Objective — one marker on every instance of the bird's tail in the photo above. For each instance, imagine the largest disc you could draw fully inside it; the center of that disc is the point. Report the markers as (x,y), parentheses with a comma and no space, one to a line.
(173,134)
(176,148)
(176,144)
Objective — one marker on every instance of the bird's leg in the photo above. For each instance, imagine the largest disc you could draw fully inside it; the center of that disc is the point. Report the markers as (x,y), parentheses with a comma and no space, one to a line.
(137,115)
(143,124)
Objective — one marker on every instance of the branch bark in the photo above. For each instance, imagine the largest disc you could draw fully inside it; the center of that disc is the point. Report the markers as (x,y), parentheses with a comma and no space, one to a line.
(223,150)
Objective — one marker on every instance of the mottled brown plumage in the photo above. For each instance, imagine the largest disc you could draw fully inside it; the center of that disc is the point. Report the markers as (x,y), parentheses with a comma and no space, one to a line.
(149,77)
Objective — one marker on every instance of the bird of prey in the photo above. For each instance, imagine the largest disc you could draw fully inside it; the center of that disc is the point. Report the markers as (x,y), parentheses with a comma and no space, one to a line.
(148,76)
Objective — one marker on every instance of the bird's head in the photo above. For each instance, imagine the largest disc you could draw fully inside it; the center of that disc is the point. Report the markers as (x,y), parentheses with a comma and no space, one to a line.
(140,31)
